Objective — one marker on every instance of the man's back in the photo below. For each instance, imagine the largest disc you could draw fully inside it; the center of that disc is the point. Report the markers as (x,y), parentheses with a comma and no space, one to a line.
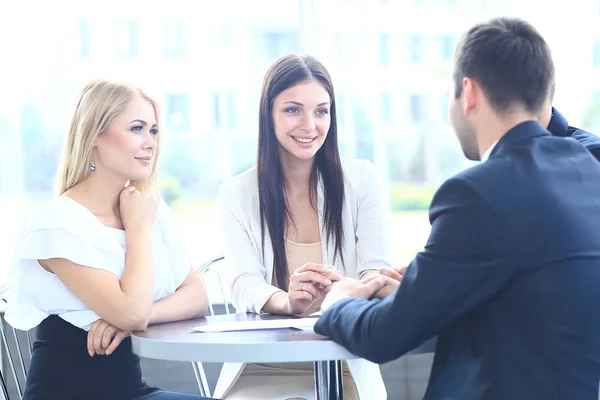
(538,336)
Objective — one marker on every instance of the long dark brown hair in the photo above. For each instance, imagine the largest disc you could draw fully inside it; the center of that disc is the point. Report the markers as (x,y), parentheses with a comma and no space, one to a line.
(286,72)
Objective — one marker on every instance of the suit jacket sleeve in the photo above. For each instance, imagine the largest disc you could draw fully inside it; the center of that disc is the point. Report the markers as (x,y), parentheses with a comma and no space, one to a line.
(595,151)
(469,256)
(589,140)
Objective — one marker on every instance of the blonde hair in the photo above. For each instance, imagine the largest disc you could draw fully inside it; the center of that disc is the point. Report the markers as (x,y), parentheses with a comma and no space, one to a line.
(99,103)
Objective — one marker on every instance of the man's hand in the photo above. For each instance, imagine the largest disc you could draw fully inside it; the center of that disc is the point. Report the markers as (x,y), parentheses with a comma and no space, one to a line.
(394,273)
(348,287)
(390,285)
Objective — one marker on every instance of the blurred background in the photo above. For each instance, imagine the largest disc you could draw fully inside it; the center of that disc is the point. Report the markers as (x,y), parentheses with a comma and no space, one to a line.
(204,62)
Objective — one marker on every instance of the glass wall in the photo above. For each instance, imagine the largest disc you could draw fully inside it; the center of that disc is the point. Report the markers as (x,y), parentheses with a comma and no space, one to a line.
(204,61)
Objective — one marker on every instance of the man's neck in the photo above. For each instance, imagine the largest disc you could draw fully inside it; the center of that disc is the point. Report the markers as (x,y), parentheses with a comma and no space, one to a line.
(496,127)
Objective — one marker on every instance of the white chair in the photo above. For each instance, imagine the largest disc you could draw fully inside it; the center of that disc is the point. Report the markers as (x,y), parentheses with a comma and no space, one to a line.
(20,348)
(203,271)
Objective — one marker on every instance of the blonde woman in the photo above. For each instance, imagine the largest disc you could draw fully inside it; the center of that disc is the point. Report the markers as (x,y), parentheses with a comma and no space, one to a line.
(101,259)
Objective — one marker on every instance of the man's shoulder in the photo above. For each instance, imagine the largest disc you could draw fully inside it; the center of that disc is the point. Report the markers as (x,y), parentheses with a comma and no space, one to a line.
(466,186)
(588,139)
(559,126)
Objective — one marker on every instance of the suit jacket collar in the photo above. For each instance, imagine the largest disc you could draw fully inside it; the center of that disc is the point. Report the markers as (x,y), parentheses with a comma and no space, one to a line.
(521,132)
(558,125)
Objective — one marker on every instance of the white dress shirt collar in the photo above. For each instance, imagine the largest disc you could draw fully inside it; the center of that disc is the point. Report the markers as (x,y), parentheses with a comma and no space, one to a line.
(486,155)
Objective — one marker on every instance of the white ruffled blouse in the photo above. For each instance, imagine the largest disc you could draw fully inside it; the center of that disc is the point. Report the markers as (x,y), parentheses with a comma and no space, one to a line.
(64,228)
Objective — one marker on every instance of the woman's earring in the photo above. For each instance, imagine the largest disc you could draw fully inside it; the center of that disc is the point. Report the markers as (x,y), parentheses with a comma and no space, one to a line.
(93,166)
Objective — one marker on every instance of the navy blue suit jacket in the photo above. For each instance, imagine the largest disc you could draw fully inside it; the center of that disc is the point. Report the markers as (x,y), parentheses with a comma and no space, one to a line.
(509,279)
(559,126)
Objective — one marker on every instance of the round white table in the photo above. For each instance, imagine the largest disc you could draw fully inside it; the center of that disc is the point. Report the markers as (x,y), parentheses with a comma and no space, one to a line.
(176,341)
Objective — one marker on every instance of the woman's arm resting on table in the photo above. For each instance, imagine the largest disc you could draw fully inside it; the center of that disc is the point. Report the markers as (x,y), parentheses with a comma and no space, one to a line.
(188,301)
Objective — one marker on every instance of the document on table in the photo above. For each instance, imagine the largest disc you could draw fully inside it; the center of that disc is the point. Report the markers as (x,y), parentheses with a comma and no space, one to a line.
(294,323)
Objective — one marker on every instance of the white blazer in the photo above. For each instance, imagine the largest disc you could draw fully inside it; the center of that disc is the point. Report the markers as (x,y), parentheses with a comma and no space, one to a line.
(251,270)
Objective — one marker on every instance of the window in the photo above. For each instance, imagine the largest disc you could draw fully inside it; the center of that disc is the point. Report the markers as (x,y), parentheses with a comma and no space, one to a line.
(416,108)
(217,111)
(338,43)
(362,122)
(230,106)
(444,110)
(127,39)
(4,126)
(447,47)
(224,111)
(178,111)
(386,108)
(84,39)
(340,108)
(174,41)
(278,44)
(6,159)
(416,49)
(36,145)
(226,36)
(384,49)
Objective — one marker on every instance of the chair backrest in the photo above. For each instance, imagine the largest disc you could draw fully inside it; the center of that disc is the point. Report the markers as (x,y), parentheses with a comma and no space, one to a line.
(206,270)
(15,346)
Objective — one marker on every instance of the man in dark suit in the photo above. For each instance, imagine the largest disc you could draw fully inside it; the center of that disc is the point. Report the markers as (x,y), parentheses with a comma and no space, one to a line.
(509,279)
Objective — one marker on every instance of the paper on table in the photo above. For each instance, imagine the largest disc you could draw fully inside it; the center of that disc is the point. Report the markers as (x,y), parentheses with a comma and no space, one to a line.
(296,323)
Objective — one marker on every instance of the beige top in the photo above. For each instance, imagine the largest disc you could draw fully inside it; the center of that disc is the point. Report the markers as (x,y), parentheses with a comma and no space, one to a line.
(297,255)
